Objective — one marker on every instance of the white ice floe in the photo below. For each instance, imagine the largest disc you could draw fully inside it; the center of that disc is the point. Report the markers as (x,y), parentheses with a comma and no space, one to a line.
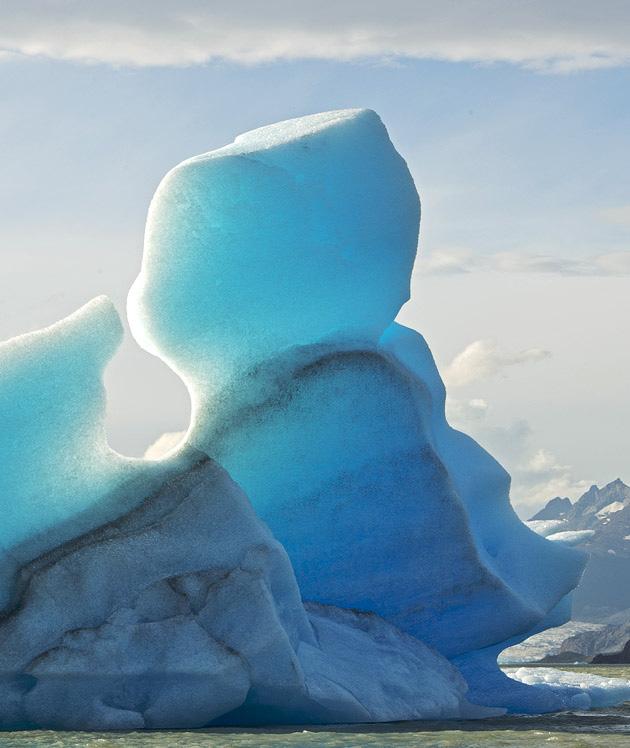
(594,690)
(571,537)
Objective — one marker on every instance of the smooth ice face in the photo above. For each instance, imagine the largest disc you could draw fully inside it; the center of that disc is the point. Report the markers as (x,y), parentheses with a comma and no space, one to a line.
(381,506)
(517,556)
(295,233)
(55,458)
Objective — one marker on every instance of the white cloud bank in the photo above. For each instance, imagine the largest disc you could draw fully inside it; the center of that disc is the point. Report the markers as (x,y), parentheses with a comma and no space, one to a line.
(456,261)
(537,475)
(558,36)
(542,477)
(481,360)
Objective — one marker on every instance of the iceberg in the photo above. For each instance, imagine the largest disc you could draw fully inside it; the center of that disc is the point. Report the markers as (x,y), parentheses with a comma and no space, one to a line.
(320,546)
(332,419)
(157,598)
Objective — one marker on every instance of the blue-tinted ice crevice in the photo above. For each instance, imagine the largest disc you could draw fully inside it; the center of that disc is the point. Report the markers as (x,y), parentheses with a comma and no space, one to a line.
(318,467)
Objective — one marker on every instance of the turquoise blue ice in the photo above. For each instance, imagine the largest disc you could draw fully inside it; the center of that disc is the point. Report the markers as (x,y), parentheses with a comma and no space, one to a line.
(56,464)
(273,271)
(296,233)
(356,550)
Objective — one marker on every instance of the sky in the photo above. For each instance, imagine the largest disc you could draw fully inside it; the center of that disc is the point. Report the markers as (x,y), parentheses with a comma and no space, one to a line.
(514,119)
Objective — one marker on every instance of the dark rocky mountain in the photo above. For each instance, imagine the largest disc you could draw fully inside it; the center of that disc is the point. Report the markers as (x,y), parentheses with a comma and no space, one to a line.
(554,509)
(605,512)
(594,510)
(586,645)
(613,658)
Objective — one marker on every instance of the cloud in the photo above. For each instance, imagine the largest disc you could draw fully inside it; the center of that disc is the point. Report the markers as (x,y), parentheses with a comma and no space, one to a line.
(448,262)
(542,477)
(482,360)
(560,36)
(168,442)
(466,411)
(457,261)
(537,475)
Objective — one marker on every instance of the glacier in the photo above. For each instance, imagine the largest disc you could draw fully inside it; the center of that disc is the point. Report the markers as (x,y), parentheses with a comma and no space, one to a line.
(320,546)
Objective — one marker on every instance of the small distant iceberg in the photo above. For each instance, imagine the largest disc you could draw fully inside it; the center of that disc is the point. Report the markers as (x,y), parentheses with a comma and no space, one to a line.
(320,546)
(592,691)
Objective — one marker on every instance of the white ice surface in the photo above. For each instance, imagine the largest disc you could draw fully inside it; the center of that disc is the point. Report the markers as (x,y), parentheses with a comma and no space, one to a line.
(546,527)
(571,537)
(596,691)
(615,506)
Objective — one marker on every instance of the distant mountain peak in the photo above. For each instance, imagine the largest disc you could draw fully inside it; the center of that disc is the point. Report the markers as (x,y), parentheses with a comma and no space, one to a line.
(600,522)
(605,511)
(556,508)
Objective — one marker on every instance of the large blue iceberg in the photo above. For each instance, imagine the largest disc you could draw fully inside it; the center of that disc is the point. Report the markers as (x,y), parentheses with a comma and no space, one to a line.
(322,546)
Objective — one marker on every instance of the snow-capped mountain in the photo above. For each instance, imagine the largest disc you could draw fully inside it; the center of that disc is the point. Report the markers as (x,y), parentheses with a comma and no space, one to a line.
(599,523)
(605,511)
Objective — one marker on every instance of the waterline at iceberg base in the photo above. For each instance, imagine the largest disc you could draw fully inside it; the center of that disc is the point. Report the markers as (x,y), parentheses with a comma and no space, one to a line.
(321,546)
